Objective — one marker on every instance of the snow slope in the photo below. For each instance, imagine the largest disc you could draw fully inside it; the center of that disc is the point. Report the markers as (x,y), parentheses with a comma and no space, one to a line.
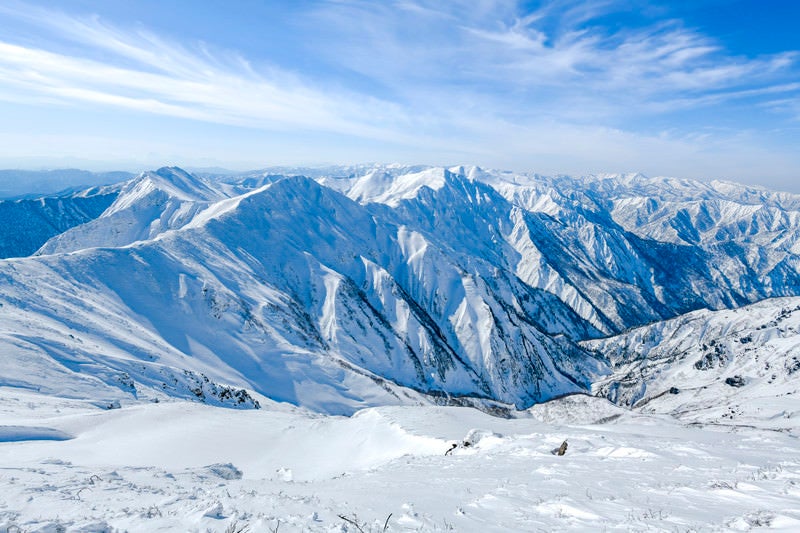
(372,286)
(146,207)
(730,367)
(27,223)
(177,466)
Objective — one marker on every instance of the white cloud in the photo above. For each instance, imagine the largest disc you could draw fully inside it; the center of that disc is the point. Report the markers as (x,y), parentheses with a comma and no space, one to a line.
(462,81)
(490,53)
(556,61)
(167,79)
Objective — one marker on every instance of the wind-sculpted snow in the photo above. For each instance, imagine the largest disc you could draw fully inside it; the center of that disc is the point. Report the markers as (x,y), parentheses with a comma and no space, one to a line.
(383,285)
(175,466)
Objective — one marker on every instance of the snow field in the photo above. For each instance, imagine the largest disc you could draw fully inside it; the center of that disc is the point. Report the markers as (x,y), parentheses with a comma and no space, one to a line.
(179,466)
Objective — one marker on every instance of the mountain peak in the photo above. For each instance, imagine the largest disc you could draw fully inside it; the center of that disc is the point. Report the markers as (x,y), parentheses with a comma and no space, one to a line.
(454,280)
(147,206)
(180,184)
(383,187)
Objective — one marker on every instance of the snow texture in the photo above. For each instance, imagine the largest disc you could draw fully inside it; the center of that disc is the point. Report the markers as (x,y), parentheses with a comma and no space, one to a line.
(178,466)
(177,354)
(373,286)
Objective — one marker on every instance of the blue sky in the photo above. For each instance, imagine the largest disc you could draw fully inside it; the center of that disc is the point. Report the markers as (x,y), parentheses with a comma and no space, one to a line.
(703,89)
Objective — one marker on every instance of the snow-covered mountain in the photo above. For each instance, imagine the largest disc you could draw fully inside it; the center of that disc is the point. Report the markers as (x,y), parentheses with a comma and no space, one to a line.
(737,366)
(296,292)
(380,285)
(17,184)
(371,290)
(145,207)
(27,223)
(689,244)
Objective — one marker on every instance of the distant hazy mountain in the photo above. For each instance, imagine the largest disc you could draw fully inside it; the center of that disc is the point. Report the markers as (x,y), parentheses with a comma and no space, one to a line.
(27,223)
(379,285)
(34,183)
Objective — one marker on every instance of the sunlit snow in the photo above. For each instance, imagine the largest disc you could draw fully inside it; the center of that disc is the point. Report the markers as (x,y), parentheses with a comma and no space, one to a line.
(394,348)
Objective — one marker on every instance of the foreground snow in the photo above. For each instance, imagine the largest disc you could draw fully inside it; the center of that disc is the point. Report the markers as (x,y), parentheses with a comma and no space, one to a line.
(179,466)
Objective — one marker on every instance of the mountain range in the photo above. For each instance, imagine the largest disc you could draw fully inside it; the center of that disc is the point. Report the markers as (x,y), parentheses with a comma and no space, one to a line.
(340,288)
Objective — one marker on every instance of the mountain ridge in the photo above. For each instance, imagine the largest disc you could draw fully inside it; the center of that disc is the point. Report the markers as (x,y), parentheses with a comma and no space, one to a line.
(402,284)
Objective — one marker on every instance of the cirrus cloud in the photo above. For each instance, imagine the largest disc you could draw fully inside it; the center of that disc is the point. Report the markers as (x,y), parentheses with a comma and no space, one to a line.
(484,81)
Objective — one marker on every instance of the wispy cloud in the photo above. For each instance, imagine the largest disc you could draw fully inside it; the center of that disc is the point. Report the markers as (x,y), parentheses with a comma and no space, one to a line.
(143,72)
(486,54)
(543,60)
(484,79)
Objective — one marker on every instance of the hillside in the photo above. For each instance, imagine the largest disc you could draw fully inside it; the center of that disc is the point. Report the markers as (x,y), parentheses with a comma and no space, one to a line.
(388,285)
